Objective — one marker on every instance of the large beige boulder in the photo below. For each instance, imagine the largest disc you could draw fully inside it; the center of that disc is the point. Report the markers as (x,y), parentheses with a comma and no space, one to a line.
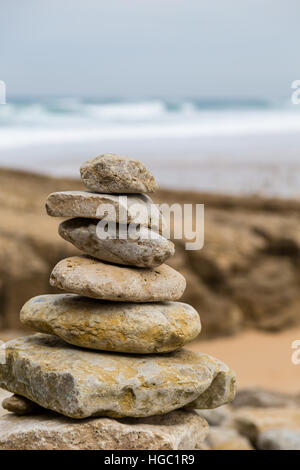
(82,383)
(173,431)
(130,209)
(93,278)
(110,173)
(144,248)
(142,328)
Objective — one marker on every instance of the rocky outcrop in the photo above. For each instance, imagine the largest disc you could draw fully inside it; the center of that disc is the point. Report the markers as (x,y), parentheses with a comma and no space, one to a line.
(176,430)
(272,422)
(247,274)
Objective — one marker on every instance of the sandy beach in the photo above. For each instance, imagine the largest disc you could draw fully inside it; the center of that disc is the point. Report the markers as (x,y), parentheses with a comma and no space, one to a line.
(259,359)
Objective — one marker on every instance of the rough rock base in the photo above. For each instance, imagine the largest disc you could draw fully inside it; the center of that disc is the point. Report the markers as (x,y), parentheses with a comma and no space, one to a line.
(176,430)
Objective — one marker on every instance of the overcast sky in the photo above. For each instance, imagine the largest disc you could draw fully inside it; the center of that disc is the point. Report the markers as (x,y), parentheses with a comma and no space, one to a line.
(145,48)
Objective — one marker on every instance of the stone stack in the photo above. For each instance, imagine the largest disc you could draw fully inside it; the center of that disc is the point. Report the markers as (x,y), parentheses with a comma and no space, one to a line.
(112,345)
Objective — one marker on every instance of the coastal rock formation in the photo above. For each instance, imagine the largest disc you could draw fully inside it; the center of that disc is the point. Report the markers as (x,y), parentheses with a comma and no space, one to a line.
(257,262)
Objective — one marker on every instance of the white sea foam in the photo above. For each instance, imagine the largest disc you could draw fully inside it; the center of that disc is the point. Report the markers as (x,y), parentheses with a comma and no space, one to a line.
(198,145)
(34,126)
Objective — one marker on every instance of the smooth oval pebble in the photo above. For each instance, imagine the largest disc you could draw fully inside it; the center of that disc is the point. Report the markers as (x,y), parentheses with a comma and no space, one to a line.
(148,249)
(81,383)
(20,405)
(111,173)
(142,328)
(93,278)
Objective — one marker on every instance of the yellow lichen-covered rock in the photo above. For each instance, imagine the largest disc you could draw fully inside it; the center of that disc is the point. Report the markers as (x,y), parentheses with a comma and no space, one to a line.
(145,248)
(82,383)
(111,173)
(113,326)
(93,278)
(45,431)
(130,209)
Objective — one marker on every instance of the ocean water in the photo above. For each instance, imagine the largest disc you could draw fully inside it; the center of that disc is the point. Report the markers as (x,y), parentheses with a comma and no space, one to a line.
(237,146)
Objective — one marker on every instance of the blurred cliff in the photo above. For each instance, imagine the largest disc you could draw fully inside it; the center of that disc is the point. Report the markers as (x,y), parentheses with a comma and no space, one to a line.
(247,274)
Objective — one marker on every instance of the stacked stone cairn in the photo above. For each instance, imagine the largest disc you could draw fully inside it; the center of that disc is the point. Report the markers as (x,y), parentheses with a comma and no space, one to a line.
(111,346)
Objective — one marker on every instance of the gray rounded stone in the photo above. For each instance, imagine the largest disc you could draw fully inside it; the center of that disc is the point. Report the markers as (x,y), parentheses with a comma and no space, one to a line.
(111,173)
(142,328)
(93,278)
(148,249)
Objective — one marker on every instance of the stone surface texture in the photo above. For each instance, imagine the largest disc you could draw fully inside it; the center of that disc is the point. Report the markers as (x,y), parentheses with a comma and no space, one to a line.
(111,173)
(270,298)
(92,278)
(130,209)
(142,328)
(19,405)
(145,249)
(83,383)
(173,431)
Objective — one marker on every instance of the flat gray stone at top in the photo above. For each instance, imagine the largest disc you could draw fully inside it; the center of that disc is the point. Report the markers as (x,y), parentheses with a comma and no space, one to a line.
(124,209)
